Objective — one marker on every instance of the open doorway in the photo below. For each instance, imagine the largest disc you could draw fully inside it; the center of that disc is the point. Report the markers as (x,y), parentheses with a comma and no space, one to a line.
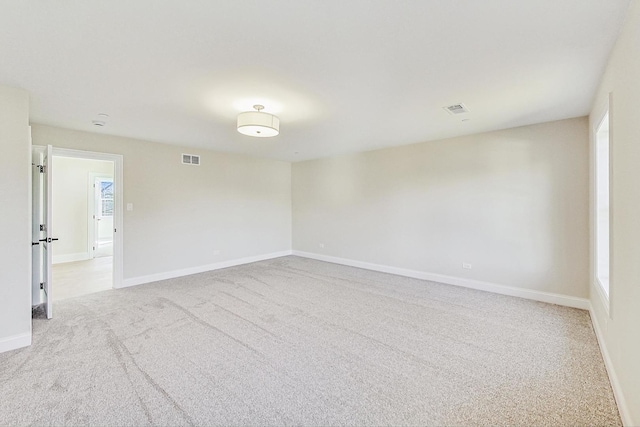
(79,198)
(82,202)
(100,226)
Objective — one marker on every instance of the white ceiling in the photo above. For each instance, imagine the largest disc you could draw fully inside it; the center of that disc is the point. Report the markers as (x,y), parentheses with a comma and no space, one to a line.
(343,76)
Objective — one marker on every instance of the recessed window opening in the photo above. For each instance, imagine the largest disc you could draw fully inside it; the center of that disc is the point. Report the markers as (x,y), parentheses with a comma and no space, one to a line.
(602,204)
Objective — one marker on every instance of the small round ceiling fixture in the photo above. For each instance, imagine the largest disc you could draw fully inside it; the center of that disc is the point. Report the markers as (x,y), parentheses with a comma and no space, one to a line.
(101,120)
(258,124)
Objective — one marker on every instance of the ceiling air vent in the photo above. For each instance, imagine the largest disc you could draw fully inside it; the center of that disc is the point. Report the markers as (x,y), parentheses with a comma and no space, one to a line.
(190,159)
(456,109)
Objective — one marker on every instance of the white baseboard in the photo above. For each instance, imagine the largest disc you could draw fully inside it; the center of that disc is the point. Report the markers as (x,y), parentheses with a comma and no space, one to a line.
(59,259)
(623,408)
(201,269)
(15,341)
(549,297)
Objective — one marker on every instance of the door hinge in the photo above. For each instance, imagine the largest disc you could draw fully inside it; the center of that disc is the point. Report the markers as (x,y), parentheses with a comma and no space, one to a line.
(43,227)
(41,285)
(41,168)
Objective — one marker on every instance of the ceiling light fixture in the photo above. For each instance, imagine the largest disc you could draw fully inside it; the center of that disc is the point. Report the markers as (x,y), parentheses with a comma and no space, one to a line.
(101,120)
(257,123)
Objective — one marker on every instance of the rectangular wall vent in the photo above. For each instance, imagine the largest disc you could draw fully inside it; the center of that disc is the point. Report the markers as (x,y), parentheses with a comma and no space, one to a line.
(190,159)
(456,109)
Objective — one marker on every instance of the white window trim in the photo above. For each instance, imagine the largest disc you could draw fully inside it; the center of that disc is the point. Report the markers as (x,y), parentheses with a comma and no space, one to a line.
(597,284)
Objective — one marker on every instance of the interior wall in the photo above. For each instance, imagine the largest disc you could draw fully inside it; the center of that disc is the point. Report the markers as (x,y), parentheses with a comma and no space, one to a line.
(15,211)
(71,205)
(231,207)
(620,329)
(512,203)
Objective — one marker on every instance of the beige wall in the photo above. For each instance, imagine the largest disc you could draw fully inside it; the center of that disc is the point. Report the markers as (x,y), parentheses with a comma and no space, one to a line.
(621,330)
(512,203)
(234,204)
(15,212)
(71,205)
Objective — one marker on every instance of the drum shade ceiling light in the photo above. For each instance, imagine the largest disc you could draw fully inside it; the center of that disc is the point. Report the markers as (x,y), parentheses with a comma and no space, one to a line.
(257,123)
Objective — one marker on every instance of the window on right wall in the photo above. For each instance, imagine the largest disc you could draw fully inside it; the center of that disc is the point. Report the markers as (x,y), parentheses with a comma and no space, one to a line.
(602,144)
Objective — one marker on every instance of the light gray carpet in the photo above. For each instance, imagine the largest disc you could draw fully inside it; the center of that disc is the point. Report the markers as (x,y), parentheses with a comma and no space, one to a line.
(297,341)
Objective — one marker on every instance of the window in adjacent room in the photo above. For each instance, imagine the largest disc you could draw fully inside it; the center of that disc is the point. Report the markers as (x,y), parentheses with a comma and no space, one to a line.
(602,204)
(105,205)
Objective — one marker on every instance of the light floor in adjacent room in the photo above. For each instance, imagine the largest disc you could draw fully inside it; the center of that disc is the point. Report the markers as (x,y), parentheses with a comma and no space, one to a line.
(72,279)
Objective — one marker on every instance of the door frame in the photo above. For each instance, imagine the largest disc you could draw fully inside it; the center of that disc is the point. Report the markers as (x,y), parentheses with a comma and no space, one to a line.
(91,210)
(118,211)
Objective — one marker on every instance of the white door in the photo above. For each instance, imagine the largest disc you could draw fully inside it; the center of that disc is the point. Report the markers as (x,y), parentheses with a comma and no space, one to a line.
(37,232)
(48,239)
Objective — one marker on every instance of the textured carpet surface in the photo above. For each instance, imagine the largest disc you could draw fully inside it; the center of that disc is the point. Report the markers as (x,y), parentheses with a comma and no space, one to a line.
(297,341)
